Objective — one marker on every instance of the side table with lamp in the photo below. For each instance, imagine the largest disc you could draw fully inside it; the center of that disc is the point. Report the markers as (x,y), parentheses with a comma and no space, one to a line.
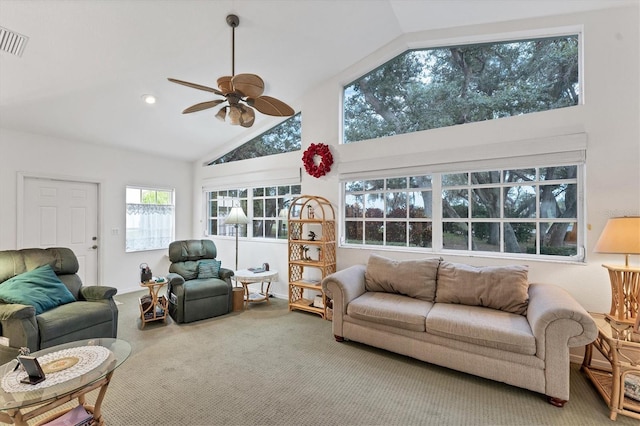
(618,331)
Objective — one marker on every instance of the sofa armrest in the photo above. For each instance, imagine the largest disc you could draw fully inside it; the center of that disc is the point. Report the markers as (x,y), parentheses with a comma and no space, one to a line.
(97,292)
(342,287)
(550,306)
(16,311)
(558,322)
(18,323)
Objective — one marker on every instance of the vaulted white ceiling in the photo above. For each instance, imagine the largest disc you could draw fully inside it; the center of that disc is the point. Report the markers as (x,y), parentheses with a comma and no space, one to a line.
(87,63)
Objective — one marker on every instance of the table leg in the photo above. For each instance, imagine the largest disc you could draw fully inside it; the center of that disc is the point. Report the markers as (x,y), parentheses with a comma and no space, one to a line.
(246,295)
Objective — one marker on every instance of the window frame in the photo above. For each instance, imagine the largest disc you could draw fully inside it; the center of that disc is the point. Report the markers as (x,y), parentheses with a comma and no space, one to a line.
(247,202)
(420,44)
(437,219)
(172,204)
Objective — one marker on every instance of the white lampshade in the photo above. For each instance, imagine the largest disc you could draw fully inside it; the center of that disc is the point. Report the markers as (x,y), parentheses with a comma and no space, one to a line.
(620,235)
(236,217)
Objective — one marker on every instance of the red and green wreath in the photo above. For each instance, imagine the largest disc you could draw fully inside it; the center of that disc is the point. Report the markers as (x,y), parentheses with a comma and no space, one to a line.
(323,166)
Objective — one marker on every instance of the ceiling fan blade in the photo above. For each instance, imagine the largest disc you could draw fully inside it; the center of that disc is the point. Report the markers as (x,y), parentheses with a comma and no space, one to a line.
(203,105)
(250,85)
(247,117)
(225,85)
(271,106)
(196,86)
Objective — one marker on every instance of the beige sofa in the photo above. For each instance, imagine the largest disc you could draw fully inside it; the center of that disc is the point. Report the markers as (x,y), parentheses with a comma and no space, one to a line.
(488,321)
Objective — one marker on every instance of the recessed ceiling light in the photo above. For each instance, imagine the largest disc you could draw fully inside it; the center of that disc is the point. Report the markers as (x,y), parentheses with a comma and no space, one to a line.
(150,99)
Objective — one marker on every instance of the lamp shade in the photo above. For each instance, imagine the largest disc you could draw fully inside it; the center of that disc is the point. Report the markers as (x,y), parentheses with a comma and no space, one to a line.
(236,217)
(620,235)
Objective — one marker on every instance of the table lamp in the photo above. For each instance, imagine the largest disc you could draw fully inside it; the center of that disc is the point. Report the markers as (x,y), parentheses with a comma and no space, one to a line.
(621,235)
(236,217)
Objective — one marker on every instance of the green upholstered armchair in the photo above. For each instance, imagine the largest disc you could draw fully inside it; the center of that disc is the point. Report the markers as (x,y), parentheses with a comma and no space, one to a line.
(90,313)
(195,292)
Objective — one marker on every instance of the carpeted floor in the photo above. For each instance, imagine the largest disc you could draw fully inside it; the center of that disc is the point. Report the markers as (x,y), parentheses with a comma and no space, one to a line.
(269,366)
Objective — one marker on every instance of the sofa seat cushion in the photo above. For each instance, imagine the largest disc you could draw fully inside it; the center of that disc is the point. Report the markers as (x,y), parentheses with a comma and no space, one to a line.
(482,326)
(72,317)
(390,309)
(202,288)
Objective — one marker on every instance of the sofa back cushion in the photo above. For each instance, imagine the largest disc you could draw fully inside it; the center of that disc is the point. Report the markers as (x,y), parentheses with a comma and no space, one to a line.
(503,287)
(414,278)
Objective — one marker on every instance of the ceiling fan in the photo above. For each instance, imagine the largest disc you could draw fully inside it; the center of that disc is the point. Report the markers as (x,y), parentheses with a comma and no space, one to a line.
(242,92)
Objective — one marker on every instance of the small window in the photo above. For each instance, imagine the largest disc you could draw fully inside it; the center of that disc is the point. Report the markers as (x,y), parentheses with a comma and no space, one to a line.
(150,218)
(285,137)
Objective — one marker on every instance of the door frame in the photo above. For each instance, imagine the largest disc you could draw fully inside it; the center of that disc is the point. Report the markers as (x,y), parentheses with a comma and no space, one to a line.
(65,178)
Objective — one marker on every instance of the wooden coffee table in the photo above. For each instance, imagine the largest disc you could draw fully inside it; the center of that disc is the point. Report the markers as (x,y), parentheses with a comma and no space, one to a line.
(18,407)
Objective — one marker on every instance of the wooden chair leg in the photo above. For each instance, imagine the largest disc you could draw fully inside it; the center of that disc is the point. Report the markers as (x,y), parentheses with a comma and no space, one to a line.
(556,402)
(338,338)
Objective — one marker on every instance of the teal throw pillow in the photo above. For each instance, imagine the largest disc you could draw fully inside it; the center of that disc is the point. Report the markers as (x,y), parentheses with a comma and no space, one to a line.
(209,268)
(40,288)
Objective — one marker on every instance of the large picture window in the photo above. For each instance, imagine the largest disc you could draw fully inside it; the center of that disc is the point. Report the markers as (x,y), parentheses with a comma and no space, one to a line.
(265,206)
(150,218)
(438,87)
(524,211)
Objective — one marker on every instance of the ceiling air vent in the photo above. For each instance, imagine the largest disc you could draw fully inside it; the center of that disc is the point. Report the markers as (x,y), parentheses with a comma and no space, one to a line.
(12,42)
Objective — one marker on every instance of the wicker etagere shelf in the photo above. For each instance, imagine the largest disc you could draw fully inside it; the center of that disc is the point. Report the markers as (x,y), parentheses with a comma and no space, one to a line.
(312,252)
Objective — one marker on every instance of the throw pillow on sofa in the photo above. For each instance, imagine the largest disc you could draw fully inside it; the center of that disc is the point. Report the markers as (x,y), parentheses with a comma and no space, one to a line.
(499,287)
(414,278)
(209,268)
(40,288)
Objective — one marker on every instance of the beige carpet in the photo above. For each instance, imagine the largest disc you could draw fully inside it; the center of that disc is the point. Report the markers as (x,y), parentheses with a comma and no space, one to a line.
(269,366)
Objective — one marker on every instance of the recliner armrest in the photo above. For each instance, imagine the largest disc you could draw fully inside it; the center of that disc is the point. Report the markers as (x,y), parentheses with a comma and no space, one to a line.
(174,279)
(98,292)
(225,273)
(16,311)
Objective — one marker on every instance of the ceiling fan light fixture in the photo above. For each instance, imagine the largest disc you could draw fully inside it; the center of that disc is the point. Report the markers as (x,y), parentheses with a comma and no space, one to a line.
(234,115)
(222,114)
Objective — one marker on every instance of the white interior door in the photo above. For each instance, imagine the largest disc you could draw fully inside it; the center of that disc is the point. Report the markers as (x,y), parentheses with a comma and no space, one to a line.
(60,213)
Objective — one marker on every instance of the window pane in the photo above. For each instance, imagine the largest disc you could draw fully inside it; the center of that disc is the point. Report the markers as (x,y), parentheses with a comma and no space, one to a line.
(558,238)
(560,172)
(354,186)
(519,201)
(520,237)
(258,208)
(481,178)
(258,228)
(283,137)
(558,201)
(271,208)
(374,205)
(455,179)
(420,204)
(420,234)
(455,203)
(258,192)
(430,88)
(397,183)
(370,185)
(353,205)
(374,233)
(486,236)
(455,236)
(397,233)
(486,203)
(420,182)
(396,204)
(521,175)
(353,232)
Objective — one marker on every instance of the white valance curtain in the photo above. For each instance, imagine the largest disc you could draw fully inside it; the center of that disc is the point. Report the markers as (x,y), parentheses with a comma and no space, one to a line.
(149,226)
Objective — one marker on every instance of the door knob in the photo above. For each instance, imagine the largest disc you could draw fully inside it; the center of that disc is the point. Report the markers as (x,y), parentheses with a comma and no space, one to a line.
(94,247)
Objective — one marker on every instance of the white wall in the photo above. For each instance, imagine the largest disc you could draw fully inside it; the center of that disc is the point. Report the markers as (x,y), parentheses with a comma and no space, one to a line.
(610,117)
(114,169)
